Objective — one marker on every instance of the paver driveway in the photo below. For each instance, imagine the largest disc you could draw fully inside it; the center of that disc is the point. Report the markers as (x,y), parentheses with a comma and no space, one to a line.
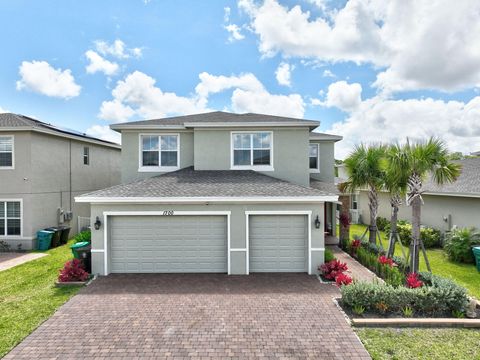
(197,316)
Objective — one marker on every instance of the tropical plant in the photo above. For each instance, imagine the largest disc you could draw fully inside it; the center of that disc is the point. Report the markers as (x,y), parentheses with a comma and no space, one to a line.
(343,279)
(73,270)
(331,269)
(364,170)
(413,281)
(358,309)
(407,311)
(415,162)
(459,242)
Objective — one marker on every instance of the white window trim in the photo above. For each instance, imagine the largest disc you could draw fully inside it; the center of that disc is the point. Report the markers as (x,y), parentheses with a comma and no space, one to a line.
(106,215)
(142,168)
(87,155)
(308,213)
(251,167)
(317,169)
(21,219)
(13,153)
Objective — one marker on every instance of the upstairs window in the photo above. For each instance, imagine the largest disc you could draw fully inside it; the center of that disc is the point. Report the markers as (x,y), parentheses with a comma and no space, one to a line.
(6,152)
(159,151)
(86,155)
(313,157)
(10,218)
(252,150)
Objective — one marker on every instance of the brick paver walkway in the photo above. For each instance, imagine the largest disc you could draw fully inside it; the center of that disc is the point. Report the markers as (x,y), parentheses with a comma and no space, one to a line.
(267,316)
(355,269)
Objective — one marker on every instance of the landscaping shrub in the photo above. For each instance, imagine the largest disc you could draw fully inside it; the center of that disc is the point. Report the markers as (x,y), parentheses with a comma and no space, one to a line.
(439,299)
(459,242)
(329,255)
(83,236)
(331,269)
(73,270)
(430,236)
(382,223)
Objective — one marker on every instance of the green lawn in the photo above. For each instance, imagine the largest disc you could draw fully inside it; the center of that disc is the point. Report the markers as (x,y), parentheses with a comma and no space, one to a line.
(428,344)
(463,274)
(28,296)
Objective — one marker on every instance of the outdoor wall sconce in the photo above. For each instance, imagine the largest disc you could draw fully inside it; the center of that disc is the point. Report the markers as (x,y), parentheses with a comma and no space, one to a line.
(317,223)
(97,223)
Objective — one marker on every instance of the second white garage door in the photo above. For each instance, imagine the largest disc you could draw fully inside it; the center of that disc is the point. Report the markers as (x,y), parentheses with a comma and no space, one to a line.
(278,243)
(168,244)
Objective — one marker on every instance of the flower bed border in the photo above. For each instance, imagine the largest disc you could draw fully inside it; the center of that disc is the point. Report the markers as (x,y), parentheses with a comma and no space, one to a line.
(75,283)
(416,322)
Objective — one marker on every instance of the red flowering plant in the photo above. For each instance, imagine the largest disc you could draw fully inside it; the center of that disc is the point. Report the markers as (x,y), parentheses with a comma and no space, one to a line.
(343,279)
(356,244)
(73,270)
(331,269)
(413,281)
(382,259)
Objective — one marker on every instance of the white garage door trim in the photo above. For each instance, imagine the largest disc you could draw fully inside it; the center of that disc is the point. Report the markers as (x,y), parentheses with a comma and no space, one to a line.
(296,212)
(106,214)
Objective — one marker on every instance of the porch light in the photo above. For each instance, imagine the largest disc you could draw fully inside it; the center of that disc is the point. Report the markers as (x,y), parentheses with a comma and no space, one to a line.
(317,223)
(98,223)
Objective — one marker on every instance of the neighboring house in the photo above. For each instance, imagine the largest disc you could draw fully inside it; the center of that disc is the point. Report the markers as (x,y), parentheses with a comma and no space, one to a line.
(476,153)
(456,204)
(216,192)
(42,169)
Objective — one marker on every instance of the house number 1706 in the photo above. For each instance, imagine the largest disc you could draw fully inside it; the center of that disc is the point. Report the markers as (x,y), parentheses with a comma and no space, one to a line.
(168,212)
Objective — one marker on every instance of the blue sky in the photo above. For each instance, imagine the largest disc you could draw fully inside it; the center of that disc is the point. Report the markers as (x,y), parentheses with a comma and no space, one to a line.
(374,78)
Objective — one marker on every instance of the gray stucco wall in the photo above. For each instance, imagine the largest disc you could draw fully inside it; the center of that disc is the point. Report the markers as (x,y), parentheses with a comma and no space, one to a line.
(465,212)
(290,152)
(131,152)
(49,172)
(327,161)
(237,230)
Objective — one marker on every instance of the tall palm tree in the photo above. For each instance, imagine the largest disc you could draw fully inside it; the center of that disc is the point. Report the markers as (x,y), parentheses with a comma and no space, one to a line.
(364,169)
(419,160)
(396,183)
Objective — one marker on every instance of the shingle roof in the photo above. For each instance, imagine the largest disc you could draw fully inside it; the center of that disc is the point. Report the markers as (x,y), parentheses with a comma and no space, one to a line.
(324,186)
(216,117)
(188,183)
(467,183)
(10,120)
(322,136)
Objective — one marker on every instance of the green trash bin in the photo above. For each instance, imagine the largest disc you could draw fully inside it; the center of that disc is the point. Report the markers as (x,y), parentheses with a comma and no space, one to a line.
(476,253)
(78,246)
(44,239)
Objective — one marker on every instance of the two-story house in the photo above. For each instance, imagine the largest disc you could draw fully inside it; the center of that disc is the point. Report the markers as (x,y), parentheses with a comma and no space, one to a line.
(216,192)
(42,169)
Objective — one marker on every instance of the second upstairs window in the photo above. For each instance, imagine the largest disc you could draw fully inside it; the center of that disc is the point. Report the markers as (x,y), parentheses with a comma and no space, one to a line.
(252,150)
(314,158)
(159,151)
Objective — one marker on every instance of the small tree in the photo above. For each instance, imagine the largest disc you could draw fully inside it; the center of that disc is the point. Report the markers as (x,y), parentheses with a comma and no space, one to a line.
(418,161)
(364,169)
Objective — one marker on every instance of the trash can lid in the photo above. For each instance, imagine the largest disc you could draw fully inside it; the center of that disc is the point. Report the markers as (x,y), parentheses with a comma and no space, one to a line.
(44,232)
(79,245)
(476,248)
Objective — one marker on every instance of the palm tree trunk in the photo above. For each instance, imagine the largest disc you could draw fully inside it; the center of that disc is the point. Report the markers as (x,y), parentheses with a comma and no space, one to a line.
(415,200)
(395,202)
(373,206)
(344,227)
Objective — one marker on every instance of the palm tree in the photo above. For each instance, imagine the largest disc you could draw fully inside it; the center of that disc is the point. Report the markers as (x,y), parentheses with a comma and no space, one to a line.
(364,169)
(418,161)
(396,183)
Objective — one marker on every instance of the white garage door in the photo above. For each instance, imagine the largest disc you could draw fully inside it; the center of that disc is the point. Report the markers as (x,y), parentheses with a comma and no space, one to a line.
(278,243)
(168,244)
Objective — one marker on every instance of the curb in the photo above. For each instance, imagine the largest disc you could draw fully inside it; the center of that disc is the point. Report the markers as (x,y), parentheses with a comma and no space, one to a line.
(402,322)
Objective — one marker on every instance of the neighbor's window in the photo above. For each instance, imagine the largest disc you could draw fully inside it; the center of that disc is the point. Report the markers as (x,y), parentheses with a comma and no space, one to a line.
(354,204)
(6,151)
(10,218)
(86,155)
(252,149)
(313,156)
(159,150)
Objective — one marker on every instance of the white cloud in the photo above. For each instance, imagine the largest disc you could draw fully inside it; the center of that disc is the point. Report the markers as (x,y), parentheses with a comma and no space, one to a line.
(98,63)
(328,73)
(138,95)
(2,110)
(234,32)
(419,44)
(379,119)
(117,49)
(226,14)
(104,132)
(345,96)
(284,73)
(42,78)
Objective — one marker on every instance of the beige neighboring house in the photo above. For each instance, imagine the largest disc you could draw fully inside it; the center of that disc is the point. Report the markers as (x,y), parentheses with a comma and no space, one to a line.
(456,204)
(42,169)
